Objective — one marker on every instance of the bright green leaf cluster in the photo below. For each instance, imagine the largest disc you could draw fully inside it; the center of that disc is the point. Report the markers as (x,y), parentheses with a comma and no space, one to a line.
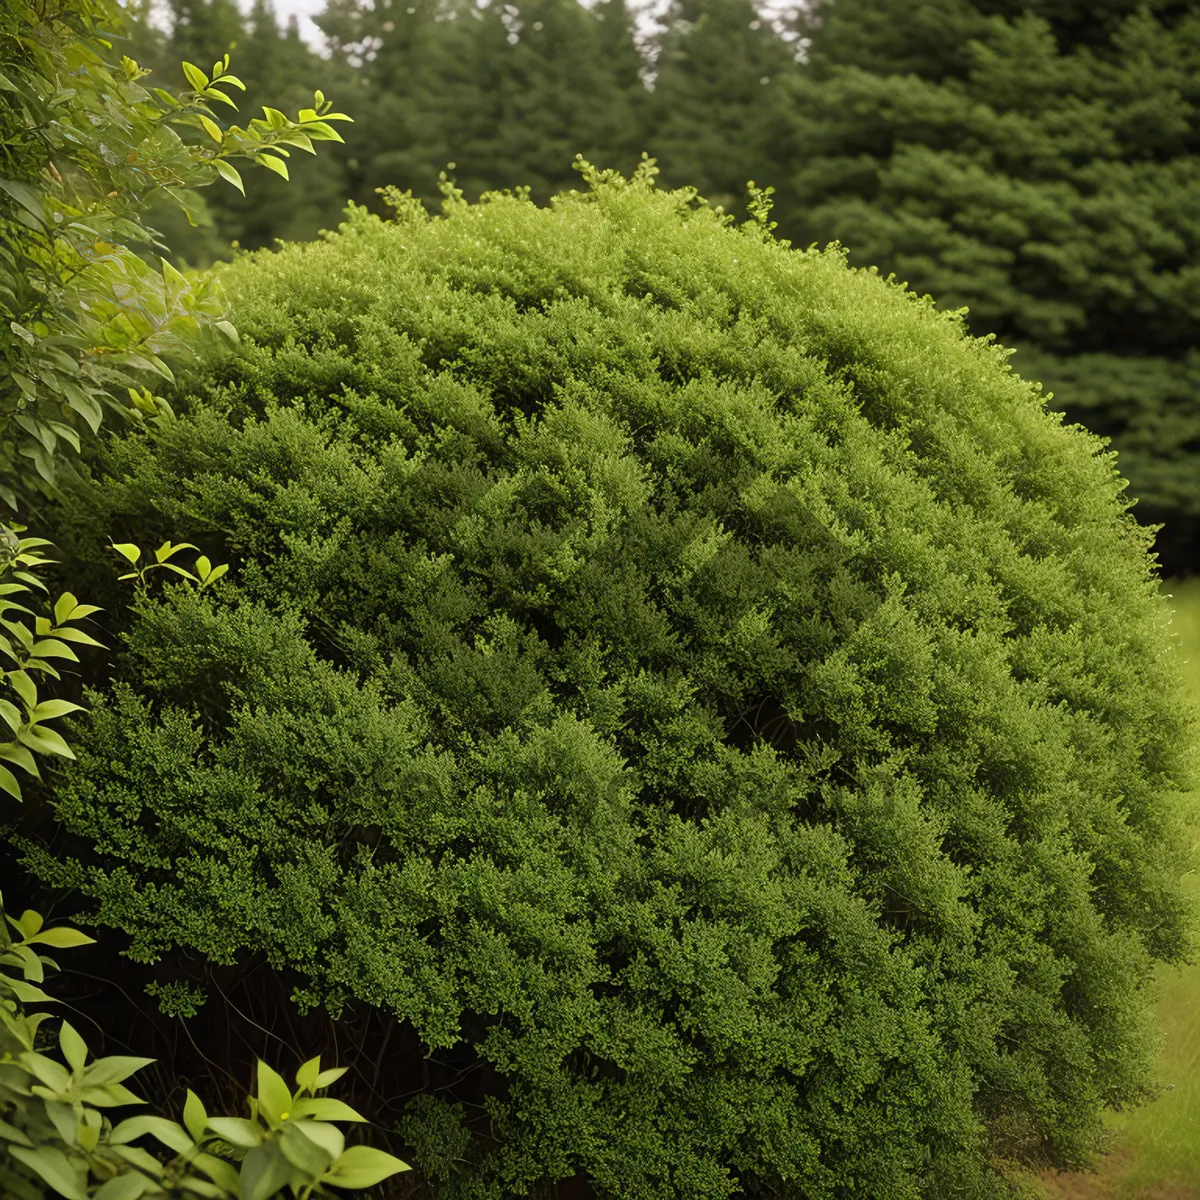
(205,574)
(29,641)
(55,1134)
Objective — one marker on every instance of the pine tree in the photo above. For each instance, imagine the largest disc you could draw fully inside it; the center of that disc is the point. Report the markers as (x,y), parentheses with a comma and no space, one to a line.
(1020,165)
(719,110)
(552,93)
(509,93)
(418,93)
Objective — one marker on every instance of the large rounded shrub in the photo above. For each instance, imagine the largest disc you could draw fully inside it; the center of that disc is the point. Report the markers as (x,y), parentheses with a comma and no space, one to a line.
(692,679)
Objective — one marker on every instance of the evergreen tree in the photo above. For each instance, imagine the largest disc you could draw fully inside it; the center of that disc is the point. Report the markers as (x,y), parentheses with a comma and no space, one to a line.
(203,29)
(552,93)
(414,64)
(719,107)
(318,191)
(509,93)
(1015,163)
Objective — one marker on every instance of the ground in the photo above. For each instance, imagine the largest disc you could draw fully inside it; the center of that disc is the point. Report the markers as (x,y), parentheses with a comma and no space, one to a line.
(1156,1149)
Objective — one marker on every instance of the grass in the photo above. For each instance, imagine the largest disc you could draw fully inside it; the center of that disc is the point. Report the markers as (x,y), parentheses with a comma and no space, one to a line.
(1156,1149)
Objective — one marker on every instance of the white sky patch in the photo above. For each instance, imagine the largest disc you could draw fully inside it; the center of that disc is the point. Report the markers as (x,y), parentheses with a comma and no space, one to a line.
(304,10)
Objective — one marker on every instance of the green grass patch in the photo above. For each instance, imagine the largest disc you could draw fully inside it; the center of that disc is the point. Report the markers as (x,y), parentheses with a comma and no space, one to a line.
(1162,1139)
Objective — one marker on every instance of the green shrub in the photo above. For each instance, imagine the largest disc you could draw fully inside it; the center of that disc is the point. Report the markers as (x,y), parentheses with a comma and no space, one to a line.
(690,678)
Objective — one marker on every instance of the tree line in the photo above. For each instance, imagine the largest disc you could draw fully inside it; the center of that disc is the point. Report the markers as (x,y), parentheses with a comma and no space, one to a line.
(1034,161)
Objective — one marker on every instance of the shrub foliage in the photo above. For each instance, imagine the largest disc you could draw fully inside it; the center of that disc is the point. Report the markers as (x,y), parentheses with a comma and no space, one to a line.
(689,680)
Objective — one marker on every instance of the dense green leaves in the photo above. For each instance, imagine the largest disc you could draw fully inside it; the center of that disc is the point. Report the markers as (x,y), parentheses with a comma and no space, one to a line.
(27,647)
(685,679)
(1034,162)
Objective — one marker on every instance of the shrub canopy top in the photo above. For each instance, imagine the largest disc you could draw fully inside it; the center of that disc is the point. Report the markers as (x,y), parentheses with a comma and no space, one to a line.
(686,675)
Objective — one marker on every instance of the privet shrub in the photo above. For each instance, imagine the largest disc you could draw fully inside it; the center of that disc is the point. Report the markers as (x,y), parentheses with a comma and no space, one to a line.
(687,676)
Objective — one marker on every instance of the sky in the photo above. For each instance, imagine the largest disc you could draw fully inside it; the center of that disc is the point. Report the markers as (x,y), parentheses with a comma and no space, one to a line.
(304,10)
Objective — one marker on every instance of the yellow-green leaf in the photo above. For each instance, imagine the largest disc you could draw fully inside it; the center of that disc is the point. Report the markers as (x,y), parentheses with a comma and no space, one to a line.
(212,93)
(54,1167)
(214,575)
(364,1167)
(49,709)
(9,784)
(15,753)
(323,1108)
(53,648)
(74,1048)
(306,1073)
(25,688)
(61,937)
(171,1135)
(29,923)
(195,76)
(274,1095)
(329,1077)
(237,1131)
(229,174)
(194,1116)
(166,550)
(319,131)
(212,129)
(272,164)
(46,741)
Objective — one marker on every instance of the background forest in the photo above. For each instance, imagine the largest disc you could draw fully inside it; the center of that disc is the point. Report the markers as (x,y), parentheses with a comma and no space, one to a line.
(1035,162)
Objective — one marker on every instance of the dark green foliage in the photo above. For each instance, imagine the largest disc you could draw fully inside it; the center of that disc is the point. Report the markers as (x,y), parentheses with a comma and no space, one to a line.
(509,94)
(693,685)
(718,112)
(1044,170)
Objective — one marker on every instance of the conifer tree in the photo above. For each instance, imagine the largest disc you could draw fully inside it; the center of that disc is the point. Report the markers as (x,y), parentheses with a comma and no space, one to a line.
(719,108)
(552,93)
(201,29)
(419,93)
(1042,168)
(509,93)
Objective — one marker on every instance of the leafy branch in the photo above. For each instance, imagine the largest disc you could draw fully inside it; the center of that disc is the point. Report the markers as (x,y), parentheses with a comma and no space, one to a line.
(55,1132)
(82,315)
(205,574)
(30,641)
